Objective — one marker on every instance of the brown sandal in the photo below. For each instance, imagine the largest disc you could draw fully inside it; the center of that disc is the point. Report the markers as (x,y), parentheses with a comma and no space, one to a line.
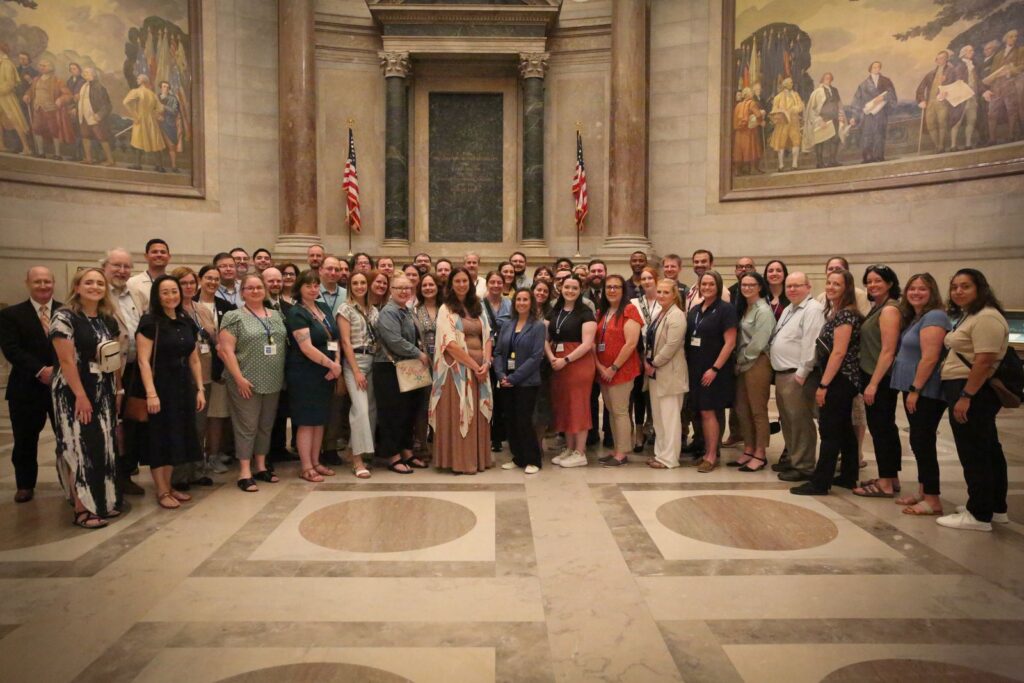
(311,475)
(166,497)
(181,497)
(324,470)
(656,465)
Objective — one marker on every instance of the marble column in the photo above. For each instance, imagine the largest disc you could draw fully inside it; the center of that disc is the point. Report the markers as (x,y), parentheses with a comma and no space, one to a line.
(397,67)
(297,127)
(627,171)
(532,68)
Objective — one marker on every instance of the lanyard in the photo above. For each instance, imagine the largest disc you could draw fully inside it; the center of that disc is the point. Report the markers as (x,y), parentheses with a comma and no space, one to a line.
(264,323)
(228,296)
(323,322)
(201,331)
(701,316)
(334,298)
(652,331)
(783,323)
(560,321)
(606,318)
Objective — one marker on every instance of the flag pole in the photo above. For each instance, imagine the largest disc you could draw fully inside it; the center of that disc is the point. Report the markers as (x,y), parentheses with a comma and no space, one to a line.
(348,215)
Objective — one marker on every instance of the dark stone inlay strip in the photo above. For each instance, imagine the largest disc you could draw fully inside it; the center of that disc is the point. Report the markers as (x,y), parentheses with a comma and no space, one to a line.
(123,661)
(514,549)
(698,654)
(903,631)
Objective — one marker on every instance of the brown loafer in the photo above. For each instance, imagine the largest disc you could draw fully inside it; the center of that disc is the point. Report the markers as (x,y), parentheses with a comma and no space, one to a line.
(707,466)
(24,495)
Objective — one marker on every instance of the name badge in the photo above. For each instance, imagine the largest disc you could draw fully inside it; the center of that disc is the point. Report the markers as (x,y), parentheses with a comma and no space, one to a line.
(600,348)
(270,349)
(204,347)
(559,348)
(332,346)
(511,364)
(694,341)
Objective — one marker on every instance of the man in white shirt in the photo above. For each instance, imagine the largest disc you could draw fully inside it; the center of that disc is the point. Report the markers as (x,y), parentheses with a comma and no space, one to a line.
(158,255)
(792,351)
(117,266)
(471,262)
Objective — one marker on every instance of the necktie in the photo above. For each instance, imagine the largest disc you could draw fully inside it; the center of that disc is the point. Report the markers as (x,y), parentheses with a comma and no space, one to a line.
(44,318)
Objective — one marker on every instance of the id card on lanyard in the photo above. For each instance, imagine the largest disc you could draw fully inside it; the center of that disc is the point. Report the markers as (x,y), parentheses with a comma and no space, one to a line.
(604,331)
(652,332)
(270,348)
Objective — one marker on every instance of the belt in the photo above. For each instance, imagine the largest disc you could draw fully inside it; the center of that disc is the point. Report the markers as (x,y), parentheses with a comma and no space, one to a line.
(363,351)
(785,372)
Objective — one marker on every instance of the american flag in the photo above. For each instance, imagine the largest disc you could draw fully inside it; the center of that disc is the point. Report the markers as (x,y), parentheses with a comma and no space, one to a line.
(579,185)
(350,184)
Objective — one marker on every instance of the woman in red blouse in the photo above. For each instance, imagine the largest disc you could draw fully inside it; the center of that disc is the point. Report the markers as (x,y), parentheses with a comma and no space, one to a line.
(618,331)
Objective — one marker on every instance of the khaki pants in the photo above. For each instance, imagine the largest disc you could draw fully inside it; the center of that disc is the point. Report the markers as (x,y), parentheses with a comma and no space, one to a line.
(667,426)
(616,401)
(796,412)
(753,387)
(253,420)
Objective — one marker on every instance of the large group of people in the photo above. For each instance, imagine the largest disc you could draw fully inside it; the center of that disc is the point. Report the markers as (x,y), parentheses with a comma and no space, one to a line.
(433,363)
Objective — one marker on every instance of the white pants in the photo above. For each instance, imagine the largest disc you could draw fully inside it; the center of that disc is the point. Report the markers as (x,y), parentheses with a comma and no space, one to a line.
(362,417)
(668,427)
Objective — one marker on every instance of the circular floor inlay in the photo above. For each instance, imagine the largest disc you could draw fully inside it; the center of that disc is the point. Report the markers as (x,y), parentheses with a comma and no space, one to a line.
(911,671)
(45,519)
(747,522)
(387,524)
(318,672)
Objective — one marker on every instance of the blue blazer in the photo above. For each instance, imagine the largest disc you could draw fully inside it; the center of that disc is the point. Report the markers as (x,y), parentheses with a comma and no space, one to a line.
(529,350)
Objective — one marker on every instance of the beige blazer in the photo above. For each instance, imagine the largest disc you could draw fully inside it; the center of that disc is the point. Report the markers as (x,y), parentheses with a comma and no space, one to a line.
(669,358)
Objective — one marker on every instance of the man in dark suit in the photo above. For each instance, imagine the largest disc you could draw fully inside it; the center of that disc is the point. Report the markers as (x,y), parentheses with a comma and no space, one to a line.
(874,99)
(23,330)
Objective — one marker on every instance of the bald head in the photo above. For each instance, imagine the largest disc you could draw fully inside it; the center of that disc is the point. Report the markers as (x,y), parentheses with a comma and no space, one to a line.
(39,282)
(798,287)
(273,280)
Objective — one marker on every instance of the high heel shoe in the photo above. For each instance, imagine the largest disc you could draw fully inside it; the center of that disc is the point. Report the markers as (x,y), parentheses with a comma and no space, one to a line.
(748,468)
(737,463)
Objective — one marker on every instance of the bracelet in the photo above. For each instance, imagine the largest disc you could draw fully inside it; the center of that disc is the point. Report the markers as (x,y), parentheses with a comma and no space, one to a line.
(714,369)
(148,396)
(822,385)
(964,394)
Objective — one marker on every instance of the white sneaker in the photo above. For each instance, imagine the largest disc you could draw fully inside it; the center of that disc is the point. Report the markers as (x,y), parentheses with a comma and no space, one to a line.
(997,517)
(531,469)
(963,520)
(561,456)
(574,459)
(509,465)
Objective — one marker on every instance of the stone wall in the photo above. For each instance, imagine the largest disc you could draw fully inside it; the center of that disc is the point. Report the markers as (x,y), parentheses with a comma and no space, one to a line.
(935,228)
(66,228)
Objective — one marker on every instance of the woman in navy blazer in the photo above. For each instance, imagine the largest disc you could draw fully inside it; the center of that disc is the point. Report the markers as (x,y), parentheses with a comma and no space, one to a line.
(517,362)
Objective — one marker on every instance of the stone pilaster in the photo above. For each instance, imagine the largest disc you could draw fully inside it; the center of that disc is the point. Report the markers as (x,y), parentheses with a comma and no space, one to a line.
(532,67)
(396,67)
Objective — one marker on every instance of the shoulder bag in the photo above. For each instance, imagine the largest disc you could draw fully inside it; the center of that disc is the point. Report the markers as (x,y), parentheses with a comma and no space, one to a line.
(135,408)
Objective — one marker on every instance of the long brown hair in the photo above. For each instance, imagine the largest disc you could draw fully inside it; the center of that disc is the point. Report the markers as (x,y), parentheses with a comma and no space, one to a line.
(470,306)
(934,302)
(106,306)
(849,300)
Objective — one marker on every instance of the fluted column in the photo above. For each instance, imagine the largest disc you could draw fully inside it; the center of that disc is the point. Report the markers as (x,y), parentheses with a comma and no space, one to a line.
(627,173)
(397,67)
(297,127)
(532,67)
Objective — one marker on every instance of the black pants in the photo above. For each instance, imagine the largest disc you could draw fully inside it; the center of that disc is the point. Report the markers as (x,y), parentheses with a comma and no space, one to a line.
(981,454)
(835,429)
(279,434)
(924,422)
(28,417)
(885,435)
(522,440)
(498,422)
(133,433)
(396,411)
(638,400)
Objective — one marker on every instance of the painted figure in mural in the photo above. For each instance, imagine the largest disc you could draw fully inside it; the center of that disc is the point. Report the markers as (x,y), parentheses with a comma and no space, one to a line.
(1006,83)
(144,109)
(988,56)
(94,108)
(964,116)
(49,99)
(786,110)
(75,83)
(932,101)
(825,123)
(11,115)
(874,99)
(748,126)
(170,123)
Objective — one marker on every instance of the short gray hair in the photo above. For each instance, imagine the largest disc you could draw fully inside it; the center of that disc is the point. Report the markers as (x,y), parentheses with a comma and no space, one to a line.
(116,250)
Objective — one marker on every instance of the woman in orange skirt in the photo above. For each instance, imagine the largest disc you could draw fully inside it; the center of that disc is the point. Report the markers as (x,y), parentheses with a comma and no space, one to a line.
(571,328)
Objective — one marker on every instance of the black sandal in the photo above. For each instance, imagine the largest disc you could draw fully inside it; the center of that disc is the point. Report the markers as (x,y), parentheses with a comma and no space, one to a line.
(267,476)
(747,468)
(411,462)
(393,466)
(88,520)
(245,484)
(737,463)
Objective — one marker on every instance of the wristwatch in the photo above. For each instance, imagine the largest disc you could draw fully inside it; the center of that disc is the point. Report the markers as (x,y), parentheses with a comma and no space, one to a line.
(714,369)
(615,368)
(822,385)
(964,394)
(913,390)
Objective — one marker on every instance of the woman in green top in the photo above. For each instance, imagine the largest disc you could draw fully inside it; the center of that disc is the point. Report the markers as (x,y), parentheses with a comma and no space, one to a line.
(753,371)
(252,345)
(879,339)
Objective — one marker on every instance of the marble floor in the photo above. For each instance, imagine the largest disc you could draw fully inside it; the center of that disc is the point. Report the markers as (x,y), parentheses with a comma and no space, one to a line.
(589,574)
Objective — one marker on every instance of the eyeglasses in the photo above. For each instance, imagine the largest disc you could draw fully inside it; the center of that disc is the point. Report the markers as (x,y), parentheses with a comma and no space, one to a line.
(613,286)
(253,288)
(401,289)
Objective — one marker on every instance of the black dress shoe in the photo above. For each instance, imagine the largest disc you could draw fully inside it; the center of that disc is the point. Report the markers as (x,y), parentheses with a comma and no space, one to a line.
(808,489)
(495,447)
(693,448)
(794,476)
(24,495)
(781,466)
